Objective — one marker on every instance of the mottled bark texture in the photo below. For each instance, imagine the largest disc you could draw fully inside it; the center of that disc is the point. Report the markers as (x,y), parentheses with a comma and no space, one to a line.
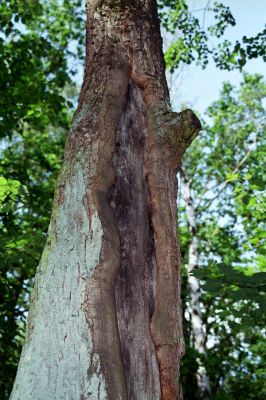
(105,320)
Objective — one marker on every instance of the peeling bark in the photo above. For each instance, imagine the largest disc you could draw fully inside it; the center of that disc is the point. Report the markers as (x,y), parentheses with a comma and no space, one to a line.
(105,320)
(136,281)
(199,335)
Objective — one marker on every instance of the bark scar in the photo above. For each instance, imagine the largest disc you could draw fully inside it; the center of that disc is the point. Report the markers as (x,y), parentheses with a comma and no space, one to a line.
(178,129)
(169,134)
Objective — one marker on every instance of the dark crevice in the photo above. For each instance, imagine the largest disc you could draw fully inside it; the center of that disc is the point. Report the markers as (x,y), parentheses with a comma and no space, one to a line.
(136,279)
(152,267)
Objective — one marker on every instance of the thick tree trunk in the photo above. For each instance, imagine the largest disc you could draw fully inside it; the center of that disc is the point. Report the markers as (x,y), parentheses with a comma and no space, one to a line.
(105,319)
(199,336)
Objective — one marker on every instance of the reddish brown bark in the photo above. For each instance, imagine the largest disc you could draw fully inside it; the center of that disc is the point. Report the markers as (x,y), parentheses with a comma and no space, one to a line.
(141,148)
(126,144)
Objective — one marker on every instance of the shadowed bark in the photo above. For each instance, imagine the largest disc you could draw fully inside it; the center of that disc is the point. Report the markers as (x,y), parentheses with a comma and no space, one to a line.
(105,319)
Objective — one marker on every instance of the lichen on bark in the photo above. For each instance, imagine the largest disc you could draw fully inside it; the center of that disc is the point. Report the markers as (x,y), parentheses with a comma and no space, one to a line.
(109,305)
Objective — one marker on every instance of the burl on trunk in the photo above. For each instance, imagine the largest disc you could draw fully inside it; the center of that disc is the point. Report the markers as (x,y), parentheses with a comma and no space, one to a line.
(105,319)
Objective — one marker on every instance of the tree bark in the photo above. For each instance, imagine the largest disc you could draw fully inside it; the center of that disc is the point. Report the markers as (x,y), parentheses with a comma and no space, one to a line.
(105,318)
(197,325)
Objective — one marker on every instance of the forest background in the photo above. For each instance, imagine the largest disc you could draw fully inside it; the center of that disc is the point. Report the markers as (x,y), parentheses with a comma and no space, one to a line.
(222,180)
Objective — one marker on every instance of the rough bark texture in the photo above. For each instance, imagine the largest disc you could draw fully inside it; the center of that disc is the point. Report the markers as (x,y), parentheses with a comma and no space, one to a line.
(105,320)
(199,335)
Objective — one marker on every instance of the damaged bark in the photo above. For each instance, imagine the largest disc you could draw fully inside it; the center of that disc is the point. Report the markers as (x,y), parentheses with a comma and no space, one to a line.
(105,319)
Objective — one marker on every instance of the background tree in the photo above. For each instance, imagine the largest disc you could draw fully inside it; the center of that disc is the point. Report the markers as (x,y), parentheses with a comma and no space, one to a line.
(36,60)
(223,182)
(185,25)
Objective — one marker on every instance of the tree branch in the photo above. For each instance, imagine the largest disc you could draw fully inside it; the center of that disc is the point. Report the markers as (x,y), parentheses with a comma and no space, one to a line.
(225,183)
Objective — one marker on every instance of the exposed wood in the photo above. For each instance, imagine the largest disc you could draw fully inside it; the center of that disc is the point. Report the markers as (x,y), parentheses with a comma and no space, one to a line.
(105,322)
(136,282)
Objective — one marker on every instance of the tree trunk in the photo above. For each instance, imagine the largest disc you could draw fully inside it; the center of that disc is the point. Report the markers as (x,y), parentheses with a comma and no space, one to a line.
(105,319)
(197,325)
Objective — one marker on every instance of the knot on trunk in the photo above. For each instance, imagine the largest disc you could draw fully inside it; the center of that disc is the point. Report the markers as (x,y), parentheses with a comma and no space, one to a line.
(178,129)
(148,83)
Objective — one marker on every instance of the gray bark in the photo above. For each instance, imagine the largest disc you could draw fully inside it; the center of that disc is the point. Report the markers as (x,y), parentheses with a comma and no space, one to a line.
(105,319)
(197,324)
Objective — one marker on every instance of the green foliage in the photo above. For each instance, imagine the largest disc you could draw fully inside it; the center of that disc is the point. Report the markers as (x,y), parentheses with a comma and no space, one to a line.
(10,191)
(37,65)
(35,61)
(33,158)
(192,39)
(226,167)
(229,282)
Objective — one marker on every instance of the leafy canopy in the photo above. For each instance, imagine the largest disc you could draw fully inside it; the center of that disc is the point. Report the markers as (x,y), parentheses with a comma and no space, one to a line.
(193,40)
(41,46)
(226,170)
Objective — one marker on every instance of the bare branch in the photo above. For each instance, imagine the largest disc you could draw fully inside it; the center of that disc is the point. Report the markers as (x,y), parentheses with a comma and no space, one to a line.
(204,14)
(224,184)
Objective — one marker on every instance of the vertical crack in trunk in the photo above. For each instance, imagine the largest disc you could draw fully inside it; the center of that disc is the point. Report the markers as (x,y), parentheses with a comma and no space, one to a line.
(113,240)
(168,136)
(136,280)
(150,143)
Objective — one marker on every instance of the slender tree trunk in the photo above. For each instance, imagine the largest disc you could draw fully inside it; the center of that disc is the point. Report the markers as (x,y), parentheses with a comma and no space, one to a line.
(105,319)
(197,324)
